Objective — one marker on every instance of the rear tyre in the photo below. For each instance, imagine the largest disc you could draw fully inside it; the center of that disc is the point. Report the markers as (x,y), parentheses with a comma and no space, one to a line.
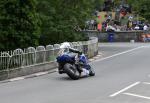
(71,71)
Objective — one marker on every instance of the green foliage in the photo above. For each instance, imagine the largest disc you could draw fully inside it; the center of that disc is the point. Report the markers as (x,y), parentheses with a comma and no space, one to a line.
(25,23)
(144,8)
(61,17)
(19,24)
(98,4)
(141,8)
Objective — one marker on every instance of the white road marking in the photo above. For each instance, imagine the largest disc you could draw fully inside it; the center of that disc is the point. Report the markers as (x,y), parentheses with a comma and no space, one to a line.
(119,53)
(41,73)
(136,95)
(56,70)
(16,79)
(99,55)
(146,83)
(115,94)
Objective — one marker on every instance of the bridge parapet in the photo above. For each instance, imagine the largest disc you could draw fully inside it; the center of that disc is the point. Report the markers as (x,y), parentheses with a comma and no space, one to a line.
(31,60)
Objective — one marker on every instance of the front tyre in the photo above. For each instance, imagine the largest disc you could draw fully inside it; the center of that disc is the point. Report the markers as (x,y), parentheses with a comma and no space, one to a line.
(91,71)
(71,71)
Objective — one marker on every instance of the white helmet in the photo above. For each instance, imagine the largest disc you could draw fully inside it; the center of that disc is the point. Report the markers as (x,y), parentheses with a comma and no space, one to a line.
(65,45)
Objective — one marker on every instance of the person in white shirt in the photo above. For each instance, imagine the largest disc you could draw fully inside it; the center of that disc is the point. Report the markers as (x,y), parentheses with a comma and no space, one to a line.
(136,27)
(145,27)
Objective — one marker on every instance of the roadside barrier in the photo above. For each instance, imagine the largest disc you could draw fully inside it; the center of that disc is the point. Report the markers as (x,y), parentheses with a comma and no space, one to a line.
(31,60)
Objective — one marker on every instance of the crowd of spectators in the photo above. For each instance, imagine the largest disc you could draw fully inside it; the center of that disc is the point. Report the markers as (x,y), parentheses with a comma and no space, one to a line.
(110,25)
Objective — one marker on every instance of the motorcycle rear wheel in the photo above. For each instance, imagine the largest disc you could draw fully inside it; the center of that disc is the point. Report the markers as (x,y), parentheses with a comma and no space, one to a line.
(71,71)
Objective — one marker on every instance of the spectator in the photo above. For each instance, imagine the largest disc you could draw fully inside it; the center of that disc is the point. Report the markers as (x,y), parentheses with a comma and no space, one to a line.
(92,24)
(95,25)
(145,27)
(136,27)
(110,28)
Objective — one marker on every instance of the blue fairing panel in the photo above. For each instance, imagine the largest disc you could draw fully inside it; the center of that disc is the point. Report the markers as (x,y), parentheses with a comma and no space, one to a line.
(83,59)
(65,58)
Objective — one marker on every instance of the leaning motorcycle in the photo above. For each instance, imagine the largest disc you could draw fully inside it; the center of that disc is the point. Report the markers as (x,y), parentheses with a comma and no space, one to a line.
(74,66)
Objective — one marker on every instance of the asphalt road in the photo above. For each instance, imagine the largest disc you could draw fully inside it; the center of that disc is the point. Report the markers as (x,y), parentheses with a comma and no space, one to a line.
(122,76)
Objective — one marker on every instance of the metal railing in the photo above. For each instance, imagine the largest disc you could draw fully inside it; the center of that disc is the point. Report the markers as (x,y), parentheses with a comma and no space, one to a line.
(32,56)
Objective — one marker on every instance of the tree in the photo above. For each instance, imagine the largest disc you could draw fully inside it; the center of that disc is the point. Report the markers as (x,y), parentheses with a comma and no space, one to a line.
(141,8)
(61,18)
(25,23)
(144,8)
(19,24)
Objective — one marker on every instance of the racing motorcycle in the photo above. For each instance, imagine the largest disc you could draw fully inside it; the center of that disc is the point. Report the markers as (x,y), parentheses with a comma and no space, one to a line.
(75,66)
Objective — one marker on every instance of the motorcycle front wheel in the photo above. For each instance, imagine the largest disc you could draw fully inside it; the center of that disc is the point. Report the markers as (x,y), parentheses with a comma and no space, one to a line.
(92,72)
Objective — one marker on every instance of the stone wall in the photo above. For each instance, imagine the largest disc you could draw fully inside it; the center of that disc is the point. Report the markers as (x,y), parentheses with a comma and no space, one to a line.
(124,36)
